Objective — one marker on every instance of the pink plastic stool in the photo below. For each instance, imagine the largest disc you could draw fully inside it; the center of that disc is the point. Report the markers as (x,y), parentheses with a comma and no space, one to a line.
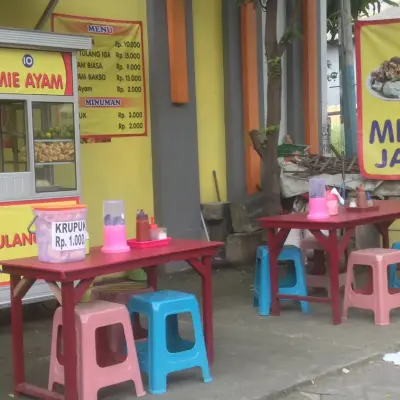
(320,280)
(92,377)
(121,293)
(382,299)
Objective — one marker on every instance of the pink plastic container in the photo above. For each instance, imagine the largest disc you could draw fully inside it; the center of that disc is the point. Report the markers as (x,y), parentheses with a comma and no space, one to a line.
(317,200)
(115,239)
(317,209)
(60,232)
(114,227)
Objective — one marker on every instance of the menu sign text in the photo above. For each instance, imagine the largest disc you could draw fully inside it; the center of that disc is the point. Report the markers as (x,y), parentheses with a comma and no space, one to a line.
(111,76)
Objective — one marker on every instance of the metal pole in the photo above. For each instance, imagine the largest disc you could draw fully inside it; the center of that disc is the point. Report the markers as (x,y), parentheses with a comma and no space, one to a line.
(348,94)
(46,14)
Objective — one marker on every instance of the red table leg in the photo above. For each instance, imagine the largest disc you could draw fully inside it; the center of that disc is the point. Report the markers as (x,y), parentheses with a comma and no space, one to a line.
(334,248)
(275,244)
(152,277)
(203,267)
(207,307)
(70,356)
(334,261)
(383,229)
(17,335)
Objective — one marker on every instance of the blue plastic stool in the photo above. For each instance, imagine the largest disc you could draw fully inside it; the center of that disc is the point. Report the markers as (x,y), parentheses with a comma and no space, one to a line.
(394,281)
(165,351)
(293,284)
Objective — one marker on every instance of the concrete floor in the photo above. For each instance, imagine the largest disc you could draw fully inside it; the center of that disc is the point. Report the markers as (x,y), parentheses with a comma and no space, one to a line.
(256,357)
(374,380)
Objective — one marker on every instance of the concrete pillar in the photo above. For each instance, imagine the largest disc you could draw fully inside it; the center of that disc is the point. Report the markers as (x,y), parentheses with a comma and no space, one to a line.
(234,122)
(174,134)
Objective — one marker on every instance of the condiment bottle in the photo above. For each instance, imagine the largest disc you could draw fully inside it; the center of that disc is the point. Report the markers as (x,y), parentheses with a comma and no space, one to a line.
(361,198)
(153,230)
(142,227)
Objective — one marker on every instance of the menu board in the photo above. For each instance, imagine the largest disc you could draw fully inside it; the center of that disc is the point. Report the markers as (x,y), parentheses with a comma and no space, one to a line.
(111,76)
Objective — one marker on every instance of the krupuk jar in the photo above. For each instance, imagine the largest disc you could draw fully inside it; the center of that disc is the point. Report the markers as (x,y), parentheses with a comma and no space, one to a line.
(60,232)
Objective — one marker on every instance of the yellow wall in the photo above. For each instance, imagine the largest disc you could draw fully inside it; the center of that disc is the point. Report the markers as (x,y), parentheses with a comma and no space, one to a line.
(207,19)
(394,232)
(121,169)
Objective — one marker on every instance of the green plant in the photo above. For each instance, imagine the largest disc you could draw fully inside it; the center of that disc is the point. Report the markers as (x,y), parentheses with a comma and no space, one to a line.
(336,138)
(358,8)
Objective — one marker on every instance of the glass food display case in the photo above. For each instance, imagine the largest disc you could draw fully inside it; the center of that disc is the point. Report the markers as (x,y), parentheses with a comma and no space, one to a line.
(40,162)
(54,147)
(39,137)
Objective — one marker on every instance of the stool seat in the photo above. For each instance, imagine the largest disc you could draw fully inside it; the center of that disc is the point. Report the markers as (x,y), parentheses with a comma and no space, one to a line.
(293,284)
(120,293)
(96,309)
(378,254)
(162,298)
(165,351)
(92,377)
(381,300)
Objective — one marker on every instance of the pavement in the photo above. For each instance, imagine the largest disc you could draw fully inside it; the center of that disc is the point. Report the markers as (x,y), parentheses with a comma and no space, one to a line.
(255,357)
(374,380)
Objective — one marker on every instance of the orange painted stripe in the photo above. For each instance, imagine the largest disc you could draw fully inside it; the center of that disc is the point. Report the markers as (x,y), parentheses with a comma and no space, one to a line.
(310,74)
(250,92)
(176,15)
(42,201)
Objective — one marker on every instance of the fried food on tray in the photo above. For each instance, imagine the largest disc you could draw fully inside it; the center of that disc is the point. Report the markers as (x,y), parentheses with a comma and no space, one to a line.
(386,79)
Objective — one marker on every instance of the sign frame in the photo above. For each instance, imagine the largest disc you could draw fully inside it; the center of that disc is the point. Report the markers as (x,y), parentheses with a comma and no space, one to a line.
(359,90)
(144,66)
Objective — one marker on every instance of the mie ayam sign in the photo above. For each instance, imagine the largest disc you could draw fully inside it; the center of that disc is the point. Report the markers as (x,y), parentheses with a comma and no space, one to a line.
(34,72)
(378,98)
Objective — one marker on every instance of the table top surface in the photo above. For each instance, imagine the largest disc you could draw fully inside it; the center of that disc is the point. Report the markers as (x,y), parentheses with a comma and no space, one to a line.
(389,210)
(181,248)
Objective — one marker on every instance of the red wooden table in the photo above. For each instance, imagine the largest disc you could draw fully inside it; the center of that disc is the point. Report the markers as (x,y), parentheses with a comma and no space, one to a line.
(279,227)
(24,272)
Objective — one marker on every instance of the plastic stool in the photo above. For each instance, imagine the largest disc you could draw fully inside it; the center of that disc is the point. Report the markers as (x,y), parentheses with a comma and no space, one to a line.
(293,284)
(164,351)
(382,299)
(394,281)
(91,377)
(309,243)
(121,293)
(322,281)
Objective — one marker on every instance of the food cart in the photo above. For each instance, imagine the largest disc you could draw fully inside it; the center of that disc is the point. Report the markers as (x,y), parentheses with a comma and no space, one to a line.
(39,137)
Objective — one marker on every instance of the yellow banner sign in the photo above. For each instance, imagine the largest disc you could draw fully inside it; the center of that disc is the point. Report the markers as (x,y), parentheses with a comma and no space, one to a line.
(35,72)
(378,98)
(15,240)
(111,76)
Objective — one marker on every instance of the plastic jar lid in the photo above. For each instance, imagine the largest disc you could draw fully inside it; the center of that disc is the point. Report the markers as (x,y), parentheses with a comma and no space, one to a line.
(60,207)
